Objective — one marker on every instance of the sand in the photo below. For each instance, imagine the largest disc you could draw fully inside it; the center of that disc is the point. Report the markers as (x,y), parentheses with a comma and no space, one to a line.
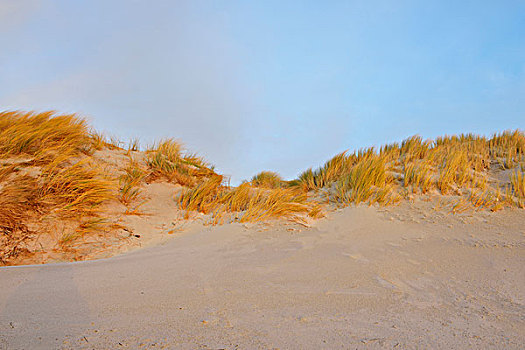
(406,277)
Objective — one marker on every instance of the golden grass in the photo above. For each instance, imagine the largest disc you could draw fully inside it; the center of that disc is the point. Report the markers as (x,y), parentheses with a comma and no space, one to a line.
(77,190)
(451,164)
(65,184)
(453,171)
(517,181)
(267,179)
(130,182)
(367,180)
(47,169)
(414,148)
(418,175)
(250,203)
(285,203)
(87,226)
(42,135)
(203,197)
(485,200)
(166,160)
(17,199)
(329,173)
(134,145)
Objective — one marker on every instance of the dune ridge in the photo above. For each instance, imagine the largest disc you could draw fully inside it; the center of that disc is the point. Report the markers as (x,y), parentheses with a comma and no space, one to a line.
(68,192)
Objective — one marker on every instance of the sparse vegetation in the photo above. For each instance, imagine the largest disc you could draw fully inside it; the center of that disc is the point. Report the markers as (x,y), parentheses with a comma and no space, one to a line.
(166,160)
(517,181)
(267,179)
(457,165)
(130,182)
(53,168)
(248,202)
(367,180)
(47,172)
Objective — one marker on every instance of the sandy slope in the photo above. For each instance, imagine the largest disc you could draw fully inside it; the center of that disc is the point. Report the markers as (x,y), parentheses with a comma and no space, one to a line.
(402,278)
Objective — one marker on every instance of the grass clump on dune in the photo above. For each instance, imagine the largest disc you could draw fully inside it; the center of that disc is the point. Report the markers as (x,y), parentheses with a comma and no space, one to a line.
(517,181)
(17,199)
(418,176)
(329,173)
(78,189)
(130,182)
(452,165)
(46,172)
(367,180)
(42,136)
(267,179)
(166,160)
(251,204)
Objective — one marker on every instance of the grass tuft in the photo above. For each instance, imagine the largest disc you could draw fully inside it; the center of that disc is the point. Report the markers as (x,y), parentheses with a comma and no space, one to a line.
(130,182)
(363,182)
(167,161)
(517,181)
(267,179)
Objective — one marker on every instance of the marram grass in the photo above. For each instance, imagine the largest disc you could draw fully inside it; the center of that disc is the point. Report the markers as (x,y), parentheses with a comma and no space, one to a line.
(49,169)
(448,165)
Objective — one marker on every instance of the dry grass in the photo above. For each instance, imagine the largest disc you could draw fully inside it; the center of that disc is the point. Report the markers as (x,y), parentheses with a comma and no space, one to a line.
(451,164)
(367,180)
(77,190)
(166,160)
(203,197)
(267,179)
(42,136)
(508,148)
(279,203)
(517,181)
(414,148)
(453,171)
(250,203)
(48,169)
(17,200)
(130,182)
(329,173)
(64,182)
(134,145)
(418,176)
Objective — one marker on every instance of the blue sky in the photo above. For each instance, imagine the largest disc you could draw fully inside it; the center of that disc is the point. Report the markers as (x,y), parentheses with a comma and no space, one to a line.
(279,85)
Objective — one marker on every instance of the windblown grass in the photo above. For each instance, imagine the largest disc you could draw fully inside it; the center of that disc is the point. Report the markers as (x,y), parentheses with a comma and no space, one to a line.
(329,173)
(267,179)
(517,181)
(418,176)
(42,135)
(130,182)
(450,164)
(67,183)
(49,170)
(203,197)
(367,180)
(166,160)
(16,200)
(280,203)
(77,190)
(251,204)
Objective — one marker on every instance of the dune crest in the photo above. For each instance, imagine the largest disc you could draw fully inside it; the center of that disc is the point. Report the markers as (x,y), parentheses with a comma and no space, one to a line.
(69,193)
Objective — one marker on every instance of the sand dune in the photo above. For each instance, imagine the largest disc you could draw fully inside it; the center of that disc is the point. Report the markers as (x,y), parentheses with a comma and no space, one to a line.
(405,277)
(422,245)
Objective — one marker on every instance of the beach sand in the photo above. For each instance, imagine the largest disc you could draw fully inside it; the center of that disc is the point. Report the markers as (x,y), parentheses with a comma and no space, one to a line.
(406,277)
